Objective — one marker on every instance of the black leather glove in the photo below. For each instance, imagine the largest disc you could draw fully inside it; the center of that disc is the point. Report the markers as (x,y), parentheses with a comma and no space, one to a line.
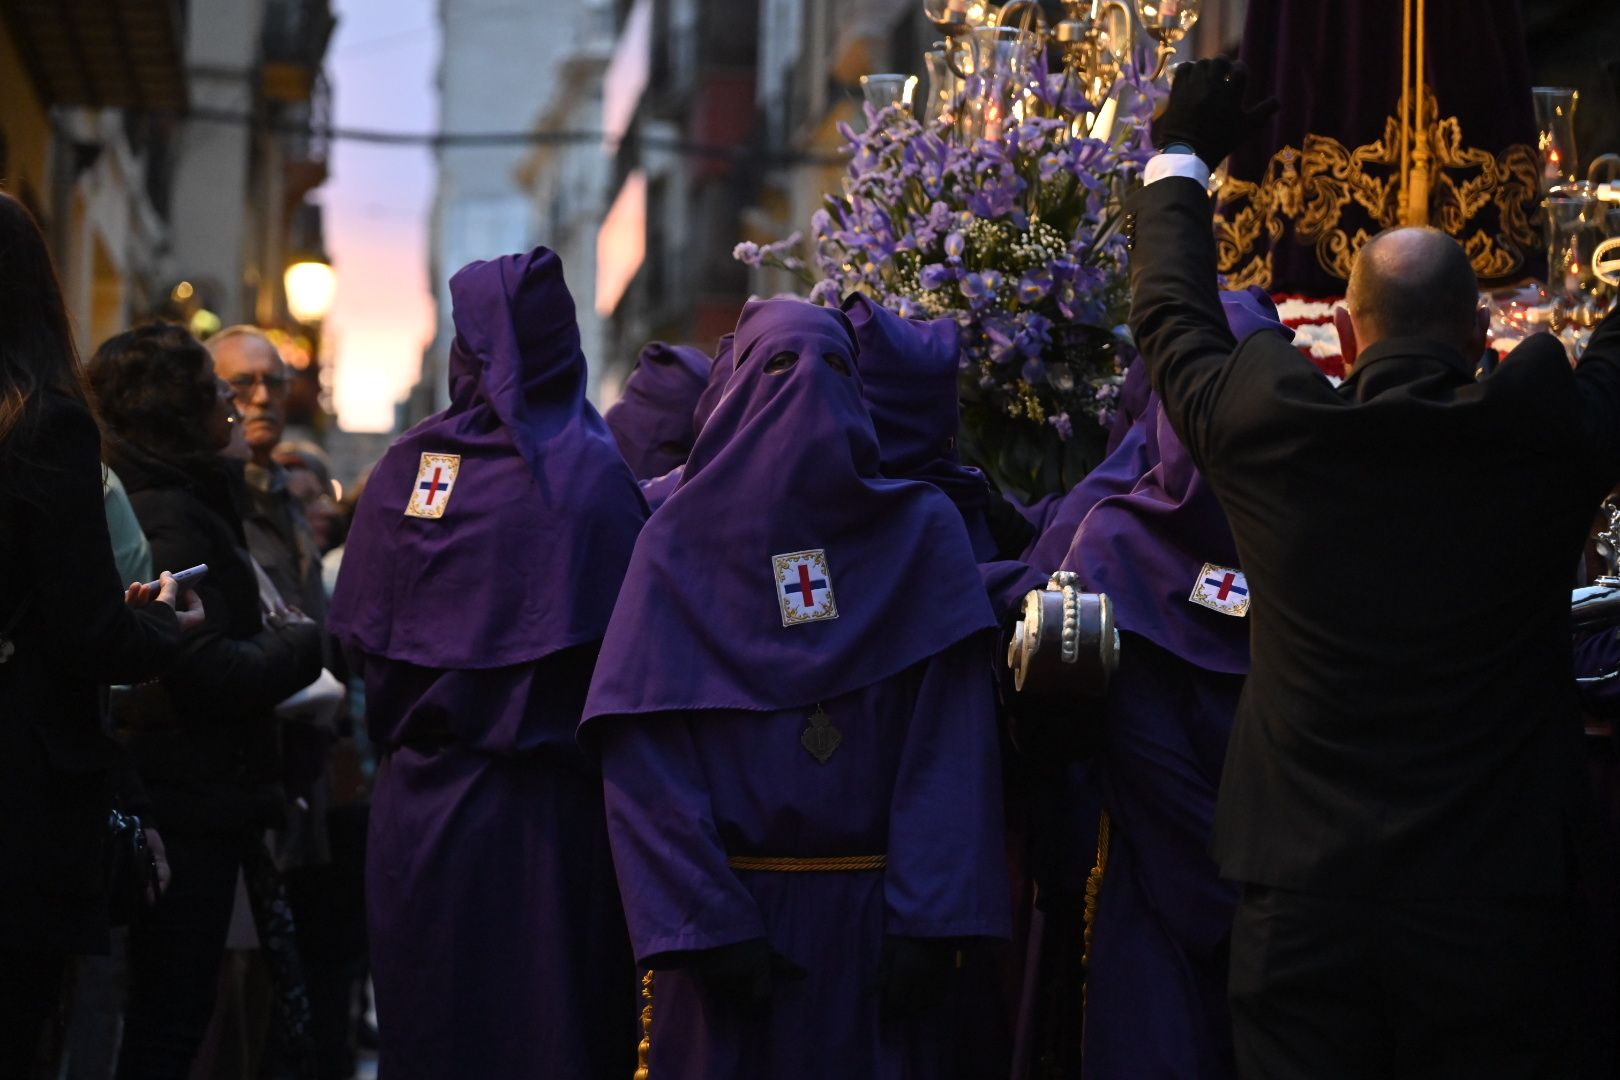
(744,973)
(1011,531)
(1206,110)
(914,974)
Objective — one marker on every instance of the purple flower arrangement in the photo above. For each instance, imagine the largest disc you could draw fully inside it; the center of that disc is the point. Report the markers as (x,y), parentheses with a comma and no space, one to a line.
(1020,240)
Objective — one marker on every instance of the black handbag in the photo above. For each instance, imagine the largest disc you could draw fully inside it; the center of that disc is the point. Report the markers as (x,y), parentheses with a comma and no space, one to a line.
(132,873)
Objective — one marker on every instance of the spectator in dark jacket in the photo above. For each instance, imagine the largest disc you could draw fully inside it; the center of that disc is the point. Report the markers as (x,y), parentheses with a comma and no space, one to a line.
(66,627)
(207,747)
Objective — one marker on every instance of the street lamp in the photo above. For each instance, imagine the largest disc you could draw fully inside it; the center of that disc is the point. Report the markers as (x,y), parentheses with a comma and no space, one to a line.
(311,285)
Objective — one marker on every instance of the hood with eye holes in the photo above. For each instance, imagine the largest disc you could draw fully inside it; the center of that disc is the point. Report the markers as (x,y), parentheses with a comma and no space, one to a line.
(537,512)
(878,576)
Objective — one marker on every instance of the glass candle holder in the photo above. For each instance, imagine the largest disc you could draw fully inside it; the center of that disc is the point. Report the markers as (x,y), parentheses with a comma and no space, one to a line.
(1004,65)
(1555,121)
(944,85)
(1575,223)
(884,90)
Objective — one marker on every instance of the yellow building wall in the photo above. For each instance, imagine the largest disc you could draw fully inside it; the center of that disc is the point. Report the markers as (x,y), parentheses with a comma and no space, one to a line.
(27,129)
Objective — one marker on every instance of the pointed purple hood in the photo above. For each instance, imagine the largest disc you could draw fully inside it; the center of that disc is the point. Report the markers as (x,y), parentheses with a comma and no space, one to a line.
(539,522)
(652,422)
(788,463)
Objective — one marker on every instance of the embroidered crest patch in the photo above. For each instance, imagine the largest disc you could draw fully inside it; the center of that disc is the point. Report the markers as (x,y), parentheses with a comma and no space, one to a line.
(434,482)
(1222,589)
(821,738)
(804,587)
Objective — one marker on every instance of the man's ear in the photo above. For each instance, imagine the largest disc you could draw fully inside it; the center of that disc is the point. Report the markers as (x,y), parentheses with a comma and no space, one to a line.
(1348,347)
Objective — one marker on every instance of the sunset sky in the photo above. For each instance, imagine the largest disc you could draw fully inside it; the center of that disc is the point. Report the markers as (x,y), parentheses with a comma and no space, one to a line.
(382,62)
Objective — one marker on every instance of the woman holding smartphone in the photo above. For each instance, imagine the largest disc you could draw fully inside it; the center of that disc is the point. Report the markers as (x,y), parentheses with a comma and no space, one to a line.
(207,746)
(67,627)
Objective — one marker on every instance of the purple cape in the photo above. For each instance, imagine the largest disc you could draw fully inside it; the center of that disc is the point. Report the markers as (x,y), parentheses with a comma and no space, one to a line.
(652,422)
(788,464)
(538,469)
(1142,524)
(1133,402)
(1147,547)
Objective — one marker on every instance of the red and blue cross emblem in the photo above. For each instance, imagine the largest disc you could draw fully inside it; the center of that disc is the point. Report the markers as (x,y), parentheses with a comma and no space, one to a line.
(1223,589)
(435,480)
(804,587)
(1226,585)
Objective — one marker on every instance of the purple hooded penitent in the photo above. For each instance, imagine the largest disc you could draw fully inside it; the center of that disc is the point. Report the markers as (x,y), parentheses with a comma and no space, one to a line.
(786,463)
(1156,995)
(652,421)
(909,371)
(537,469)
(659,488)
(797,669)
(475,589)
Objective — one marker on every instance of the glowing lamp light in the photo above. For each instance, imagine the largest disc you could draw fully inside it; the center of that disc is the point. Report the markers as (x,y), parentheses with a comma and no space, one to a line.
(311,286)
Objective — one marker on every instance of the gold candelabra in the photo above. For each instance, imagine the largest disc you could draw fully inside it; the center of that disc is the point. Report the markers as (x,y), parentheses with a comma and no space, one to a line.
(1095,37)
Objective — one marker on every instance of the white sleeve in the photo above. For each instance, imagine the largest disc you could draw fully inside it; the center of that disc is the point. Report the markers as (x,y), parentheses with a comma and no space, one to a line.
(1189,165)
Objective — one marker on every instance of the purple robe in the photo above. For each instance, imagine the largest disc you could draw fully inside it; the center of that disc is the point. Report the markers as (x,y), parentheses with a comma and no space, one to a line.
(498,945)
(1156,988)
(498,942)
(703,737)
(652,422)
(909,779)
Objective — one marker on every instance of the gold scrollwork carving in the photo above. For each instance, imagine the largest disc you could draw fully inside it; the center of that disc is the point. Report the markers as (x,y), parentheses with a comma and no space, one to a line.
(1310,187)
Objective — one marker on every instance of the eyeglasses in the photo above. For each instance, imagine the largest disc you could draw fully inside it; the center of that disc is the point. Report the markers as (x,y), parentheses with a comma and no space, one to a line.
(275,383)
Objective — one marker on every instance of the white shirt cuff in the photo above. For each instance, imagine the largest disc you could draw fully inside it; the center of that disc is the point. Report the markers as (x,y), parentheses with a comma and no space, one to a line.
(1189,165)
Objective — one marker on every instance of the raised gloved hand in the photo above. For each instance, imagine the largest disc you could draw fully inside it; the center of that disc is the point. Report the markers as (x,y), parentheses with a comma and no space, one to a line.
(1206,110)
(914,974)
(745,972)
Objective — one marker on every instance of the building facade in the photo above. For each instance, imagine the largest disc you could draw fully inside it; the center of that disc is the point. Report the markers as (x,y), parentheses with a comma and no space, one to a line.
(672,130)
(498,68)
(167,150)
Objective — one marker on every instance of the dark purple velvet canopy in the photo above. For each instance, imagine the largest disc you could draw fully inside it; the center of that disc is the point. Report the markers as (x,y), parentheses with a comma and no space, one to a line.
(540,516)
(1325,173)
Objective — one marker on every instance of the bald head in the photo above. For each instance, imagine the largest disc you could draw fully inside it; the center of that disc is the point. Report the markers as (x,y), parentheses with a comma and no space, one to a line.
(1414,282)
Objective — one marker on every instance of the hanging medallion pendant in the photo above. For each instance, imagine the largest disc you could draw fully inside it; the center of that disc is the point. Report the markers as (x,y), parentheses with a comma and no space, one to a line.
(821,738)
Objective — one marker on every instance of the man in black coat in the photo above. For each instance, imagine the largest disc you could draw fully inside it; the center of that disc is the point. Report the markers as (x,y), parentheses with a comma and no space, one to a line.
(1403,787)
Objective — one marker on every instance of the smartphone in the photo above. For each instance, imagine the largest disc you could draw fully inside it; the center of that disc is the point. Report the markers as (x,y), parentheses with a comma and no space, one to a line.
(184,579)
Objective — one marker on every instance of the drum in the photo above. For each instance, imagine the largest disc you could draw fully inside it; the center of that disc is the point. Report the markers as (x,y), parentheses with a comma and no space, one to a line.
(1062,655)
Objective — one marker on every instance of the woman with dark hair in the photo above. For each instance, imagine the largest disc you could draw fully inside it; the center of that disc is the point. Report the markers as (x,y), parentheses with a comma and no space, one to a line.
(66,629)
(207,747)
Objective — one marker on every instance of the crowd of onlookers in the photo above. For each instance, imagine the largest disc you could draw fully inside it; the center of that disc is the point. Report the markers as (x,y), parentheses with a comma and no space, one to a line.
(215,712)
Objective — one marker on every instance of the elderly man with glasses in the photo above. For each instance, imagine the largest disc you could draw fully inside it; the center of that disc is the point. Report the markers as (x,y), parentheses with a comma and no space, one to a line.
(281,541)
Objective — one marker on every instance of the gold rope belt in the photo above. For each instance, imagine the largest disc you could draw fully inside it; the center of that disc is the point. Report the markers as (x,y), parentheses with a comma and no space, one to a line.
(791,864)
(1094,882)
